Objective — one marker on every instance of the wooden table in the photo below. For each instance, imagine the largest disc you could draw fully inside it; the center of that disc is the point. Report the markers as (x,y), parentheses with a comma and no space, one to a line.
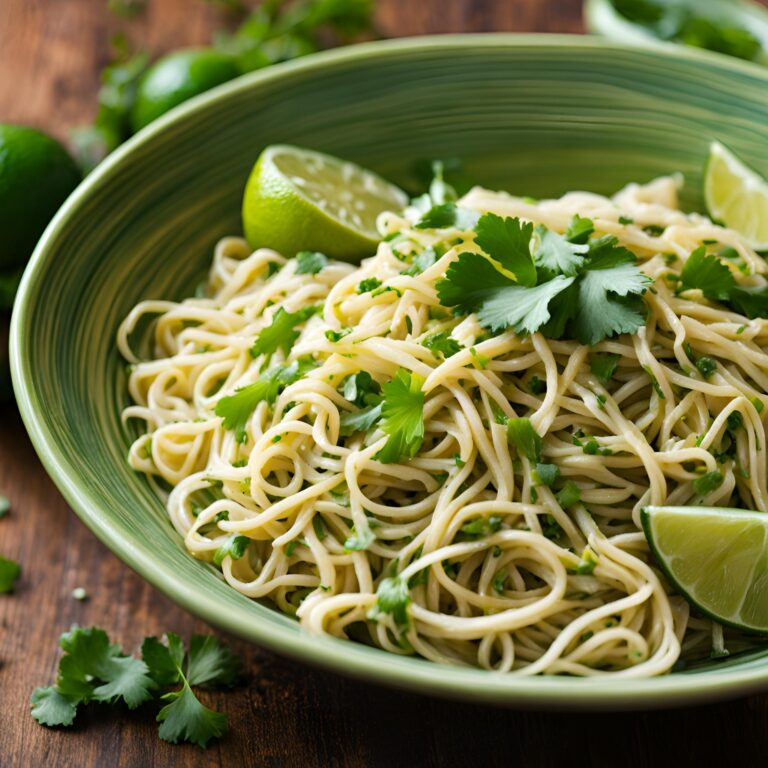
(286,714)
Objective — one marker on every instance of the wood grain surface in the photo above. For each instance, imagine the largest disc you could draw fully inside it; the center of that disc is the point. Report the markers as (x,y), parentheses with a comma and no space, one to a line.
(284,714)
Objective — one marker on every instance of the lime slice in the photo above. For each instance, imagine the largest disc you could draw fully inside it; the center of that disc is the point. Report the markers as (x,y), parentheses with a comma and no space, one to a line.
(736,196)
(297,199)
(717,558)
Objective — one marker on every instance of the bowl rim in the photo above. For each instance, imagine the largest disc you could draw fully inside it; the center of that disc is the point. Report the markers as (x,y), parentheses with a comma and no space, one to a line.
(349,658)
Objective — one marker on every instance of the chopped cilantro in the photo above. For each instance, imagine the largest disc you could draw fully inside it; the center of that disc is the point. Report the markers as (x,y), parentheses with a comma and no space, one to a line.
(335,336)
(442,344)
(708,274)
(587,563)
(290,548)
(625,220)
(481,526)
(707,483)
(234,546)
(392,597)
(537,385)
(499,581)
(236,409)
(310,262)
(402,412)
(9,573)
(568,495)
(546,474)
(359,421)
(706,366)
(423,261)
(361,389)
(459,461)
(447,215)
(735,420)
(359,541)
(604,366)
(369,284)
(524,438)
(319,527)
(757,403)
(579,230)
(281,333)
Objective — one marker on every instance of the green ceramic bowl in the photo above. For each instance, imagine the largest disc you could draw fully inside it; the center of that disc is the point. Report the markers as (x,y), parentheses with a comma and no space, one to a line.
(532,114)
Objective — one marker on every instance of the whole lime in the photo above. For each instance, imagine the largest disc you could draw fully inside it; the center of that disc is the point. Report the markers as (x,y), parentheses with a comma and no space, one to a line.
(36,176)
(178,77)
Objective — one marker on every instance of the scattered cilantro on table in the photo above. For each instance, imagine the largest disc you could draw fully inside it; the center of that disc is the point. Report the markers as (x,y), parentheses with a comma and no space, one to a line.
(10,571)
(93,669)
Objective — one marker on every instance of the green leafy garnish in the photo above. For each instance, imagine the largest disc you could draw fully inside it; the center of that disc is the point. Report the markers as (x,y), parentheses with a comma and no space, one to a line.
(234,546)
(310,262)
(359,541)
(569,495)
(442,344)
(508,242)
(546,474)
(393,598)
(707,483)
(280,333)
(481,526)
(236,409)
(707,274)
(524,438)
(369,284)
(402,412)
(10,571)
(361,389)
(423,261)
(598,298)
(580,229)
(604,366)
(359,421)
(447,215)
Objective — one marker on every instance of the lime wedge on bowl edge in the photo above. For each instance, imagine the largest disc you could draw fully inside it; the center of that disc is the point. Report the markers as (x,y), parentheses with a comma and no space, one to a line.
(736,195)
(297,199)
(717,558)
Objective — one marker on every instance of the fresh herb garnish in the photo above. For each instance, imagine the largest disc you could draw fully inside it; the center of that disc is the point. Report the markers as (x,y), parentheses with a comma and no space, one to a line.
(310,262)
(10,571)
(280,333)
(442,344)
(402,412)
(524,438)
(393,598)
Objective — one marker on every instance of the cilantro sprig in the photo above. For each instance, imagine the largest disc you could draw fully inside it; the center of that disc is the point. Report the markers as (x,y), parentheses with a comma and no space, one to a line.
(588,289)
(402,412)
(93,669)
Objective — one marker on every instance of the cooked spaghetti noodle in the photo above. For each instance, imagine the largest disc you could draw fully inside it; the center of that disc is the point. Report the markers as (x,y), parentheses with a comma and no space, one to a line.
(485,564)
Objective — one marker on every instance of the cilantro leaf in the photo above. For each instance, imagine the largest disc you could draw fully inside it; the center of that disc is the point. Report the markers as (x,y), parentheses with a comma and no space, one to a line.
(402,412)
(164,661)
(51,708)
(442,344)
(392,597)
(359,541)
(211,662)
(447,215)
(236,409)
(611,270)
(90,658)
(546,474)
(310,262)
(234,546)
(186,719)
(481,526)
(558,255)
(9,572)
(508,241)
(280,333)
(569,495)
(708,274)
(707,483)
(423,261)
(579,230)
(524,438)
(469,281)
(604,366)
(359,421)
(523,309)
(369,284)
(750,302)
(360,388)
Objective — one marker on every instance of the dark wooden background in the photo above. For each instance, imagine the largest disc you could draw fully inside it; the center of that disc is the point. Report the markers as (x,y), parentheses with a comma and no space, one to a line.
(285,714)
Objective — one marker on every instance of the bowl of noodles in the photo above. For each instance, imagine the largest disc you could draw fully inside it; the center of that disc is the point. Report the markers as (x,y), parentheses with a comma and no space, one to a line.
(435,482)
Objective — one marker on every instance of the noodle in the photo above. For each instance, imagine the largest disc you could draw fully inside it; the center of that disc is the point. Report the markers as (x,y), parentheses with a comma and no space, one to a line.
(543,587)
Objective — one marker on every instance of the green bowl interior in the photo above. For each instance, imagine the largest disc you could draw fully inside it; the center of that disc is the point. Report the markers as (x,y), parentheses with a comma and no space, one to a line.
(532,114)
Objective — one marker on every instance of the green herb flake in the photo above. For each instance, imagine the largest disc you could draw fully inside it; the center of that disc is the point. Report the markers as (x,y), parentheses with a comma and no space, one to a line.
(524,438)
(234,546)
(9,573)
(707,483)
(545,474)
(569,495)
(604,366)
(402,417)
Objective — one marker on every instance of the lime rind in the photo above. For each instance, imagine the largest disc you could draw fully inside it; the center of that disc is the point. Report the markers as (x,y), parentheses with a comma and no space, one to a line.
(717,558)
(736,195)
(299,199)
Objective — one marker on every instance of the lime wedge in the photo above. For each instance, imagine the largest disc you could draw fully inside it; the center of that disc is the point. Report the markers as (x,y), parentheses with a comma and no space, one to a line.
(736,195)
(717,558)
(297,199)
